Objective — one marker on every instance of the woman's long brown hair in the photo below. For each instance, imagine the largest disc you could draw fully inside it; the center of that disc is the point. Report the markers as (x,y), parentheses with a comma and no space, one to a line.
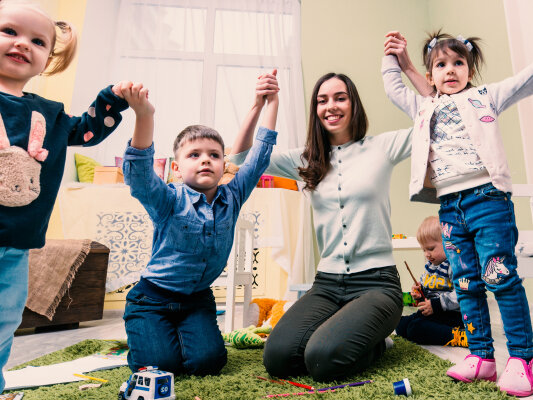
(317,151)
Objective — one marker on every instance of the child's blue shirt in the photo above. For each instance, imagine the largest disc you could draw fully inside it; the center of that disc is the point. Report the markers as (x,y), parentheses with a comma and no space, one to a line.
(437,285)
(24,227)
(192,238)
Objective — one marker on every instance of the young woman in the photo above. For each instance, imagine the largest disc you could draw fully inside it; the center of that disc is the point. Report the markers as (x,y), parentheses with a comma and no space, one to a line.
(339,326)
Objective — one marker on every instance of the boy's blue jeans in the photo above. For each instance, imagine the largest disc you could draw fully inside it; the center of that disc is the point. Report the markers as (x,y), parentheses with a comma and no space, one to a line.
(13,294)
(479,237)
(177,333)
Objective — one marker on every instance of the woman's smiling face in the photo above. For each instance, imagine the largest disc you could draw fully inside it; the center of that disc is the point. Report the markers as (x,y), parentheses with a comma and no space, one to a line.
(334,110)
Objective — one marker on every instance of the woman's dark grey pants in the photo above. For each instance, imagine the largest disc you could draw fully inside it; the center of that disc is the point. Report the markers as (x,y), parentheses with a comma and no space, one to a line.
(338,327)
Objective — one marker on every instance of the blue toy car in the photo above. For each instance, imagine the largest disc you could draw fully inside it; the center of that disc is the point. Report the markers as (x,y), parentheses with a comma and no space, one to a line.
(148,383)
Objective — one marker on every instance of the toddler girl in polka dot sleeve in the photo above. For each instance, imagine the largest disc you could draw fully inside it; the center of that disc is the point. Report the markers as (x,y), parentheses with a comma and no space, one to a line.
(34,135)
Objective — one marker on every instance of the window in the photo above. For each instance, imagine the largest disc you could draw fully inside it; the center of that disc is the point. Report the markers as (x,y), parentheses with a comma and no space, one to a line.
(200,60)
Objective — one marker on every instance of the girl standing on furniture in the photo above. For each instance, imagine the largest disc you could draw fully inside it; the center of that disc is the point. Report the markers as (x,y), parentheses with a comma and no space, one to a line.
(339,326)
(34,135)
(458,157)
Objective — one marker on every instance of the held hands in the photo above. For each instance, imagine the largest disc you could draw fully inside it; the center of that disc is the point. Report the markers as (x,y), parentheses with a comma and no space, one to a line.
(136,95)
(396,44)
(266,89)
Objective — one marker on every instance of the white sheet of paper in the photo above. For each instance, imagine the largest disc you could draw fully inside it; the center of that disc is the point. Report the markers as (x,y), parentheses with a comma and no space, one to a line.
(62,372)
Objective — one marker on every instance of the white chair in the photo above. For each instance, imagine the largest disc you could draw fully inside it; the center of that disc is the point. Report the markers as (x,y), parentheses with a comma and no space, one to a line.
(238,271)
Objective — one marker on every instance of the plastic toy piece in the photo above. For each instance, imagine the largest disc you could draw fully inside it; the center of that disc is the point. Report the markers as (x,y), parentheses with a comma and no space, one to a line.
(399,236)
(246,338)
(267,181)
(148,383)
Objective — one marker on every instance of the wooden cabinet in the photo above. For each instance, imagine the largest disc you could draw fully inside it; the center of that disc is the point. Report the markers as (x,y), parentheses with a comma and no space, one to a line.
(84,301)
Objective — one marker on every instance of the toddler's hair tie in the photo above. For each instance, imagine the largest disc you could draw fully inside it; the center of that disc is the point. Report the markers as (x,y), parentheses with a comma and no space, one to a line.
(432,44)
(465,42)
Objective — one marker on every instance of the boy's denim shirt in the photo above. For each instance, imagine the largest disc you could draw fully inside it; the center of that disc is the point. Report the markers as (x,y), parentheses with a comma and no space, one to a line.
(192,238)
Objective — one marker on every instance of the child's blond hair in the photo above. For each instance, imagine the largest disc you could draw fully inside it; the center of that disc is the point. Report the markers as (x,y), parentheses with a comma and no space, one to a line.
(429,230)
(64,41)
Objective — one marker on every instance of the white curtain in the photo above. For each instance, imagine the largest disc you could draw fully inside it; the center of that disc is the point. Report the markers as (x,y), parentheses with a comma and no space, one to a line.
(518,14)
(200,60)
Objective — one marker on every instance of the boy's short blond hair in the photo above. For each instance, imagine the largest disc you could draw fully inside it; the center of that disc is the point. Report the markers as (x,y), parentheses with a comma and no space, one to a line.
(428,230)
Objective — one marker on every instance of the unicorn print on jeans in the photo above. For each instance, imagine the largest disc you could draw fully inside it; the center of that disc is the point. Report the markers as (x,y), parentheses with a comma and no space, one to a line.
(495,270)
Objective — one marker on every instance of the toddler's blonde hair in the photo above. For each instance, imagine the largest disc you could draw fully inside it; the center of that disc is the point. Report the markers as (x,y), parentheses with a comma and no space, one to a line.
(428,230)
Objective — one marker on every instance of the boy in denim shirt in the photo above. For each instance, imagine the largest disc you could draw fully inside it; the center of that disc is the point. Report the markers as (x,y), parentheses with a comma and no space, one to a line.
(170,314)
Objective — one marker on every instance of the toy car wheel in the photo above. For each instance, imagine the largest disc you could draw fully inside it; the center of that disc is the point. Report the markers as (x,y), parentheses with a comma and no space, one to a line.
(164,389)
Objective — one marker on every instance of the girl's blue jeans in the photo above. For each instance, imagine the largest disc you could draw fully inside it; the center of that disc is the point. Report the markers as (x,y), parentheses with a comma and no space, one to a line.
(175,332)
(479,237)
(13,294)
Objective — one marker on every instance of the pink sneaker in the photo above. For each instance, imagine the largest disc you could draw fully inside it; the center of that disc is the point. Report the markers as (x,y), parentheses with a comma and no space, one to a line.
(517,379)
(472,368)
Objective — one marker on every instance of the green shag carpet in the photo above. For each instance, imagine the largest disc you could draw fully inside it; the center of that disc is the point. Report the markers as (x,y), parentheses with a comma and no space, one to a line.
(426,373)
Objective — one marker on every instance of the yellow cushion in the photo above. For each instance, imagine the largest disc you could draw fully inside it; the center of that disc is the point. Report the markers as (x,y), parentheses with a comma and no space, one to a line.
(85,167)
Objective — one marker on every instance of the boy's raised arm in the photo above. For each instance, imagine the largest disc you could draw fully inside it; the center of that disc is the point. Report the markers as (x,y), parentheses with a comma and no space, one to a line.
(137,97)
(267,85)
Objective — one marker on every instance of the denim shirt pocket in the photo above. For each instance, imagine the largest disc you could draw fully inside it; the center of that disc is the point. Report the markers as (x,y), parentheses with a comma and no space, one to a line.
(187,236)
(224,237)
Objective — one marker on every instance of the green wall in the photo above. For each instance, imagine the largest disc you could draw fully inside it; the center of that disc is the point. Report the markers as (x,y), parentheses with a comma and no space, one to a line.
(347,36)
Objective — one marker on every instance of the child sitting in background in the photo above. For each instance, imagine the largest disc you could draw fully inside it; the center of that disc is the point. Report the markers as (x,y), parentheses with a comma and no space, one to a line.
(438,319)
(170,314)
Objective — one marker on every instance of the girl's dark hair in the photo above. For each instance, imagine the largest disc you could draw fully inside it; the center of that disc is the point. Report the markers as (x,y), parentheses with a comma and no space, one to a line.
(474,57)
(317,146)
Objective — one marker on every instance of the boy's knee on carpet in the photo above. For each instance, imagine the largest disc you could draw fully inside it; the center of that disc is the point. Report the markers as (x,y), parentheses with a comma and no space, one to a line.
(207,365)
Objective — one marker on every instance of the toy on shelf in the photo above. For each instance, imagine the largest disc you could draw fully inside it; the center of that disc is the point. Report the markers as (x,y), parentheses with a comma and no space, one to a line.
(267,181)
(148,383)
(399,236)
